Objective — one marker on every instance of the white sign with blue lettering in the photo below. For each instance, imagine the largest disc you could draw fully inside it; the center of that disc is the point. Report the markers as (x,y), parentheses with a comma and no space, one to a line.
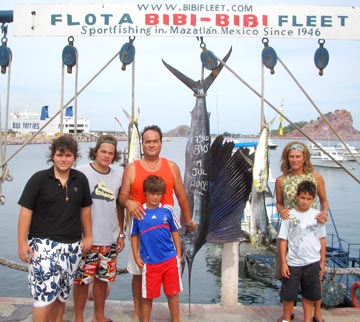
(214,19)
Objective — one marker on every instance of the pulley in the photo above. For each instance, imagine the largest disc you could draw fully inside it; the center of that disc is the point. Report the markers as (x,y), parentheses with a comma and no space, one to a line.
(208,59)
(127,53)
(321,57)
(5,57)
(269,56)
(69,55)
(5,52)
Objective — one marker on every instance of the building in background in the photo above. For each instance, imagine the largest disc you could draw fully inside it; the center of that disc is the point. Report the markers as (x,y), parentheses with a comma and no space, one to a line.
(30,122)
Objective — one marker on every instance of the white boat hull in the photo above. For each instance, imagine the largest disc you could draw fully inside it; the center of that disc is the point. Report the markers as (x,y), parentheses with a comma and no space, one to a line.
(319,158)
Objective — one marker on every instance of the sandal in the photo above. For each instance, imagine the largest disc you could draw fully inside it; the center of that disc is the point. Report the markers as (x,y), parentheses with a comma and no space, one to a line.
(316,320)
(292,318)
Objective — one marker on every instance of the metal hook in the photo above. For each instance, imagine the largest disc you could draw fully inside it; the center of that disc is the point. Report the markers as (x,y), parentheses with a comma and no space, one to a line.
(321,42)
(33,13)
(4,29)
(265,41)
(202,44)
(71,40)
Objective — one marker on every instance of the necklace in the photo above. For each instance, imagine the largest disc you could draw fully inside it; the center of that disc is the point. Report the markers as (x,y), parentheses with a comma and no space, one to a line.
(152,166)
(63,180)
(66,192)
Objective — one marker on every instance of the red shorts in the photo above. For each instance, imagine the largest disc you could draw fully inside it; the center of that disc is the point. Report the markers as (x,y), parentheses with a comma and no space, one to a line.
(166,273)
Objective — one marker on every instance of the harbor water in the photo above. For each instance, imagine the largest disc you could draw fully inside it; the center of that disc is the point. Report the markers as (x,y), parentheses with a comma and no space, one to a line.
(343,195)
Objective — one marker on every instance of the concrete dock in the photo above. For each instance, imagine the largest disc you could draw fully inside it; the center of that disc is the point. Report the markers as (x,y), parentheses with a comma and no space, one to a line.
(19,309)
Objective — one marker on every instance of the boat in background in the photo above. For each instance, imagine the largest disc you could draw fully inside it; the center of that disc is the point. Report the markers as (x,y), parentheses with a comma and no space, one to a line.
(343,151)
(252,145)
(272,145)
(320,159)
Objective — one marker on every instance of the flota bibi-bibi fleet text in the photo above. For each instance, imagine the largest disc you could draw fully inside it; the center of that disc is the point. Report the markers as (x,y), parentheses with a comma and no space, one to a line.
(200,23)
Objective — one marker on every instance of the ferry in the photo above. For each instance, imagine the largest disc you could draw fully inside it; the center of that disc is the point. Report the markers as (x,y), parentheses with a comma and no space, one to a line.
(320,159)
(26,122)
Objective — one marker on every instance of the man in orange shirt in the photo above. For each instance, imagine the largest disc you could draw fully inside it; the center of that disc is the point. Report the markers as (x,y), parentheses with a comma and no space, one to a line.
(132,196)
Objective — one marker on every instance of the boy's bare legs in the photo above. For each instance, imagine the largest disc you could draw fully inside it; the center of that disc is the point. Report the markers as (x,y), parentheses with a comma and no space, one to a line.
(99,293)
(317,310)
(80,298)
(42,314)
(308,306)
(57,311)
(137,296)
(173,303)
(146,309)
(53,312)
(287,310)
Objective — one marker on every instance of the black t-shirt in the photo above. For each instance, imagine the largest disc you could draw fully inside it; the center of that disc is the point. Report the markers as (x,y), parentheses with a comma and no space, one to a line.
(56,209)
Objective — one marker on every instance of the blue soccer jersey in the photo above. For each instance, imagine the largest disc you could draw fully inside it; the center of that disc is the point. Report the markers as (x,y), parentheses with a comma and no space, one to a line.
(156,244)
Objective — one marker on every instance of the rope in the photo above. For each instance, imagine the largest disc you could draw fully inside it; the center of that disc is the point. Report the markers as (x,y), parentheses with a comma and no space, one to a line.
(60,110)
(76,96)
(24,267)
(318,110)
(62,98)
(14,265)
(262,117)
(343,271)
(5,174)
(287,119)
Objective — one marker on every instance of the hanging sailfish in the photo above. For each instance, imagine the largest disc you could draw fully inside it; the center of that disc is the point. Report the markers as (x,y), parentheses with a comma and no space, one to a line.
(202,170)
(134,148)
(259,223)
(134,142)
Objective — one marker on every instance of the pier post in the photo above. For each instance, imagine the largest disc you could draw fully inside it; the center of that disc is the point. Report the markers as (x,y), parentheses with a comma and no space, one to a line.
(229,274)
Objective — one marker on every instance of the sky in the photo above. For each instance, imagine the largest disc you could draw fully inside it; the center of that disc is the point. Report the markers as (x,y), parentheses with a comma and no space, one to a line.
(165,101)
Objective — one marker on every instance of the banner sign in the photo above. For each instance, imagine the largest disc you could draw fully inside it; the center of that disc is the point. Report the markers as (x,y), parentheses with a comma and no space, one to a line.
(172,19)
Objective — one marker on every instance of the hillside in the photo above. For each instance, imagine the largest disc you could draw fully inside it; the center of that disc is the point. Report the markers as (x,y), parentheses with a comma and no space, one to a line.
(340,120)
(182,131)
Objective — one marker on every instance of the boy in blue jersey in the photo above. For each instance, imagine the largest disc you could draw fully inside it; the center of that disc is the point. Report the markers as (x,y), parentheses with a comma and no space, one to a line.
(157,237)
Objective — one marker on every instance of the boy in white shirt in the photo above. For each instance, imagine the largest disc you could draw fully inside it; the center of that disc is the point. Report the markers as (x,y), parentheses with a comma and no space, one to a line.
(302,253)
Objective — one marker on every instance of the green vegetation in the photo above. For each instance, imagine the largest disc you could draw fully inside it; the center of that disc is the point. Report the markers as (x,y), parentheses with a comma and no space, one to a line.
(289,128)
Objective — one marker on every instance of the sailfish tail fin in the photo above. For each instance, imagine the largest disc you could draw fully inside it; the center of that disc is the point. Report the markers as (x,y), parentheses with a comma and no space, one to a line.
(199,87)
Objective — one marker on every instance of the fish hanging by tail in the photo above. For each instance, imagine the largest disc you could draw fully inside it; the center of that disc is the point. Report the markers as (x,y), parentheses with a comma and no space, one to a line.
(133,150)
(196,176)
(134,140)
(261,160)
(260,232)
(198,167)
